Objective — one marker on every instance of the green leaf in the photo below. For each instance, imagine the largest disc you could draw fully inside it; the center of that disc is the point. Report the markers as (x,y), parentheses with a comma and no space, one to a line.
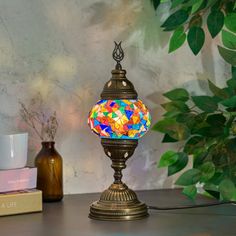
(217,91)
(196,6)
(233,72)
(190,191)
(220,159)
(215,22)
(189,177)
(216,5)
(231,102)
(210,186)
(179,132)
(172,128)
(201,117)
(168,158)
(196,38)
(175,20)
(163,125)
(211,2)
(168,139)
(194,143)
(207,171)
(229,91)
(230,20)
(175,3)
(228,55)
(211,131)
(212,190)
(177,39)
(227,189)
(185,118)
(177,94)
(231,146)
(229,39)
(179,164)
(205,103)
(199,157)
(171,114)
(175,106)
(189,3)
(155,3)
(216,120)
(217,178)
(229,6)
(231,83)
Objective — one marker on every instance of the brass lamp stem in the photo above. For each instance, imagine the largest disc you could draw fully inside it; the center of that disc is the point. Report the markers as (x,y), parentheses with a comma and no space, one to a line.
(118,202)
(118,171)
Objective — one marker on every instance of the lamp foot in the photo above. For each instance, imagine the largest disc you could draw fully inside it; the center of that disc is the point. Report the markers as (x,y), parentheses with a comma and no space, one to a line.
(118,203)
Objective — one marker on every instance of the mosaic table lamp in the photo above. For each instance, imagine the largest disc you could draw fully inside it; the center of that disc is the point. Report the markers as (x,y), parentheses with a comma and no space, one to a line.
(120,119)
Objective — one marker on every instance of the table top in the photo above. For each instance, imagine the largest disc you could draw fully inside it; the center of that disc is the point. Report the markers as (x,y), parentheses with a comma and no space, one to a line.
(70,218)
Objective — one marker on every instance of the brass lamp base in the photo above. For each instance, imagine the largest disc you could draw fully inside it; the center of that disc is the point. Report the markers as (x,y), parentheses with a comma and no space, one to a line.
(118,203)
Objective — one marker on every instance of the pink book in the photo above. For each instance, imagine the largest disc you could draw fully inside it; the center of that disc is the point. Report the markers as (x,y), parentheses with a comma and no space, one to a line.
(18,179)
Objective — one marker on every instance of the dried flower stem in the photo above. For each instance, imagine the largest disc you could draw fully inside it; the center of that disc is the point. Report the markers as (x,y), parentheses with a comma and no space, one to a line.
(44,127)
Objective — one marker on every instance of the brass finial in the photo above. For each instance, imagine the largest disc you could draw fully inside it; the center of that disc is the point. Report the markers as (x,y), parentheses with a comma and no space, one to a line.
(118,55)
(118,87)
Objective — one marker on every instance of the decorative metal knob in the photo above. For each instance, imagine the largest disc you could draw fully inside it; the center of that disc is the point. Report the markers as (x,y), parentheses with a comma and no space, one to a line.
(118,55)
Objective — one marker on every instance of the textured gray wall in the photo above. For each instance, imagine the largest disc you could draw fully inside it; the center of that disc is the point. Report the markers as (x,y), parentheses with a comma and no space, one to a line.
(58,52)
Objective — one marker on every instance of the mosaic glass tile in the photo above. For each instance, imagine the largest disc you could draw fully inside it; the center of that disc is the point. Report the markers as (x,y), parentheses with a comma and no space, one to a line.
(119,119)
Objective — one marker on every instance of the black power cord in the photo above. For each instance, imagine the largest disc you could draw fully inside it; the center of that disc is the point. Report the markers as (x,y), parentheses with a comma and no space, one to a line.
(190,206)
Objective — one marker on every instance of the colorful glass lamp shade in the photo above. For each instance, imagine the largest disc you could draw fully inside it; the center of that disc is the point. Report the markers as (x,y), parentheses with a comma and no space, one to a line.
(120,119)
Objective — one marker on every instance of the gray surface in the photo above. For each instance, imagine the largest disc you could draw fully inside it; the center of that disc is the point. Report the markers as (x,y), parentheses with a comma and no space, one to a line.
(69,218)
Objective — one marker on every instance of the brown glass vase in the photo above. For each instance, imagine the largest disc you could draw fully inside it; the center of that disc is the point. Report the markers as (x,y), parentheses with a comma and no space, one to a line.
(50,172)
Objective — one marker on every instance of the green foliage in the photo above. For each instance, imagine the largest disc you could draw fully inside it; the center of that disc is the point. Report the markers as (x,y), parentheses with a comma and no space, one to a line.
(205,103)
(234,72)
(231,102)
(187,17)
(215,22)
(175,3)
(228,55)
(220,93)
(190,191)
(196,38)
(189,177)
(195,20)
(175,20)
(230,20)
(177,40)
(174,129)
(207,171)
(227,189)
(229,39)
(179,165)
(168,158)
(197,5)
(177,94)
(155,3)
(205,126)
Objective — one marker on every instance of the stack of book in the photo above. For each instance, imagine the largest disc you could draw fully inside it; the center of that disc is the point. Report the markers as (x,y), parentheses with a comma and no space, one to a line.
(18,193)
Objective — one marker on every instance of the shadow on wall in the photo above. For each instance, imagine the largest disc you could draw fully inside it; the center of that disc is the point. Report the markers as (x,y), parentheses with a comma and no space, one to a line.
(137,19)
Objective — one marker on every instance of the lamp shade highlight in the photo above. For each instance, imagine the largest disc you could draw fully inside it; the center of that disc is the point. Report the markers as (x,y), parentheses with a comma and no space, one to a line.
(119,119)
